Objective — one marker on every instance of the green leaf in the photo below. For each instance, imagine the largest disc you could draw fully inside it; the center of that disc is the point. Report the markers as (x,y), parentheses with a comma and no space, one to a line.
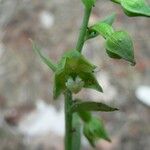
(84,115)
(89,3)
(75,61)
(93,33)
(59,85)
(103,29)
(72,65)
(95,130)
(136,8)
(79,105)
(46,60)
(120,45)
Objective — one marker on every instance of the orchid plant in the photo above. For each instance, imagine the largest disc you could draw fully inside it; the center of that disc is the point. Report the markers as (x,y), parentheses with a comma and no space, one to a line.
(73,72)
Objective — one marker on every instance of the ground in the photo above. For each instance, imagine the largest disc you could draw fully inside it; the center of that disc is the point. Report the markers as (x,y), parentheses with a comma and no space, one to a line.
(24,80)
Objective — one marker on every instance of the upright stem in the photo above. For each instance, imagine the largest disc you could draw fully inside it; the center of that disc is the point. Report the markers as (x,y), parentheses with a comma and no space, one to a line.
(68,120)
(70,138)
(76,136)
(83,29)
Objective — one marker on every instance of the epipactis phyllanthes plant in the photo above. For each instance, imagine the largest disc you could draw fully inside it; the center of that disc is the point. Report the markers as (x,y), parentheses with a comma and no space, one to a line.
(74,72)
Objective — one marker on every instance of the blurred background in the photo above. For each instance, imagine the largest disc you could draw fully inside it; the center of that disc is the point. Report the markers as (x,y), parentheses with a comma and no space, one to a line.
(29,118)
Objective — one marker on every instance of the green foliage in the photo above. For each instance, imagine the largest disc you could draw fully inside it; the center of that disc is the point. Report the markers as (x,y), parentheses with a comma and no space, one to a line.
(94,130)
(72,67)
(134,7)
(93,33)
(79,105)
(120,45)
(85,115)
(74,72)
(46,60)
(103,29)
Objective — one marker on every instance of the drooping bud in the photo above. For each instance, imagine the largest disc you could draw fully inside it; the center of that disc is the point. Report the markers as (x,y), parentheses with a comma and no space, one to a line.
(94,130)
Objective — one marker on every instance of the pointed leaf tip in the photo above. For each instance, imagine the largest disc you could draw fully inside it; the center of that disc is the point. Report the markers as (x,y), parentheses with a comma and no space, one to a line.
(46,60)
(109,19)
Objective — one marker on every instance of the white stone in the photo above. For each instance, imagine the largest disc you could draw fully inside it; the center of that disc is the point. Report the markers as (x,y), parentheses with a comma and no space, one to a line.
(43,120)
(143,94)
(46,19)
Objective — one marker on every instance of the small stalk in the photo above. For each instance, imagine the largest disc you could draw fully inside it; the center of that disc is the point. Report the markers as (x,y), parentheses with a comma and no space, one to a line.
(83,30)
(68,120)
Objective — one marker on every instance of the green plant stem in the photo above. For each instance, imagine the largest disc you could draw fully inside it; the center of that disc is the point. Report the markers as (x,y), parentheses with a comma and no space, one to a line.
(68,120)
(76,136)
(68,94)
(83,29)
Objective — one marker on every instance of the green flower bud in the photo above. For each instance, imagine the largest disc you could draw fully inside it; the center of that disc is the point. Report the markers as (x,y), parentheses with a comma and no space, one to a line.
(94,130)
